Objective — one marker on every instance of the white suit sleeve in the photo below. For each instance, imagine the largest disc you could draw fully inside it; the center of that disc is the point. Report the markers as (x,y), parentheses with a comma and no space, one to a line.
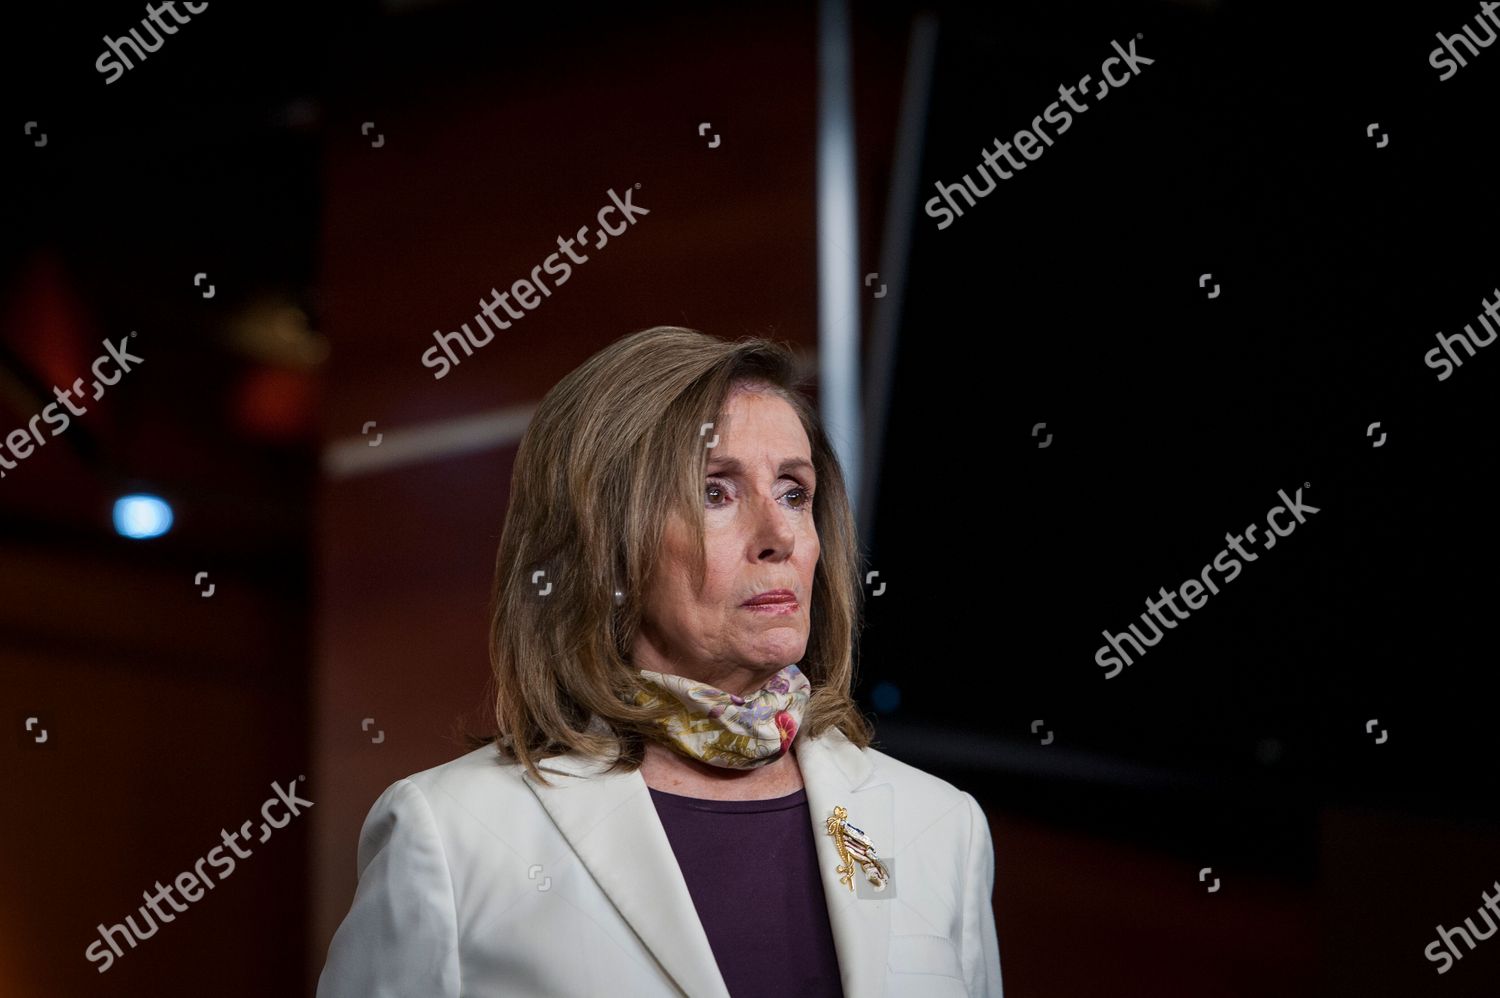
(400,937)
(980,947)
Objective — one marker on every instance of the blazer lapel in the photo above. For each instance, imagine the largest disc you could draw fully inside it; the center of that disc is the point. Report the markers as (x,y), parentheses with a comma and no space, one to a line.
(836,772)
(612,825)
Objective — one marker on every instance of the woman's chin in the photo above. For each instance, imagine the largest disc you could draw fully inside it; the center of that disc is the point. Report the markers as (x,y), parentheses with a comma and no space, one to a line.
(773,656)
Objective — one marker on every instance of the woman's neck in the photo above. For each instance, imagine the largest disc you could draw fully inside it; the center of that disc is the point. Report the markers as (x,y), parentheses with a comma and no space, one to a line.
(672,772)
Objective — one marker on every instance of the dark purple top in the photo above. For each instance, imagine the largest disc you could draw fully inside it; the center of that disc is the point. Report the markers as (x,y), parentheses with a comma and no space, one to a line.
(752,869)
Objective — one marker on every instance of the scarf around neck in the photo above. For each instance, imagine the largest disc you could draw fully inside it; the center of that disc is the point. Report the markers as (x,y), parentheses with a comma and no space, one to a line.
(723,729)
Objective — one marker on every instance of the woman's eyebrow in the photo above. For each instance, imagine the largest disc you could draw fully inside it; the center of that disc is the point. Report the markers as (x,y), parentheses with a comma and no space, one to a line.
(733,465)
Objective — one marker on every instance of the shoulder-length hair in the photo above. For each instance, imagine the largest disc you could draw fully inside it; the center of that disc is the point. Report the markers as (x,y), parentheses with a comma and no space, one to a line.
(612,449)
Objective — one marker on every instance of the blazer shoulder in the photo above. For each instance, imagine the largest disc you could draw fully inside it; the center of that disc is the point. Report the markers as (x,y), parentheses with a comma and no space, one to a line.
(478,778)
(917,787)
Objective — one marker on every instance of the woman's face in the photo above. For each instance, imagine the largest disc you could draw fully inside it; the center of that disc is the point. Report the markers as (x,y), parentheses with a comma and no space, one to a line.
(759,536)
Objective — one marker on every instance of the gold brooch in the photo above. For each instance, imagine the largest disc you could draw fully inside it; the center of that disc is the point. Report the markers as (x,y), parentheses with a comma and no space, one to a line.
(854,846)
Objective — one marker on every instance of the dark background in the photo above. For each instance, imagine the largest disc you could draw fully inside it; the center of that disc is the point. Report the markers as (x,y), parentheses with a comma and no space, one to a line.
(1069,296)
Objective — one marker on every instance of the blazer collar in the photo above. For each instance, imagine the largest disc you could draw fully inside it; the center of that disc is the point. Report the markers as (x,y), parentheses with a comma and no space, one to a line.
(611,822)
(836,772)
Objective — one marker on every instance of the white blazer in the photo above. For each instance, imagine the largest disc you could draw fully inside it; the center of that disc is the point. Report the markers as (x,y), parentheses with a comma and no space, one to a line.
(477,881)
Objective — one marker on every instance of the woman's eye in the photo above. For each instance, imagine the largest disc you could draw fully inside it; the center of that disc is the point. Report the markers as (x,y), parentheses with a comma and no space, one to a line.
(708,492)
(803,500)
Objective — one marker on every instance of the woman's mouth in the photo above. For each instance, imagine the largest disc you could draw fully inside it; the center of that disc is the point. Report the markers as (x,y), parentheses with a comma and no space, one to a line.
(789,606)
(774,601)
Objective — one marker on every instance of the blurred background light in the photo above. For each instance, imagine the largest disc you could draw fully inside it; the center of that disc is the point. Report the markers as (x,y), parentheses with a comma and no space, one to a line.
(141,515)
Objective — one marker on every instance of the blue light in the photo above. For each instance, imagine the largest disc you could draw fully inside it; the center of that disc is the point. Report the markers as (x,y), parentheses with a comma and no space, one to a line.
(140,515)
(886,696)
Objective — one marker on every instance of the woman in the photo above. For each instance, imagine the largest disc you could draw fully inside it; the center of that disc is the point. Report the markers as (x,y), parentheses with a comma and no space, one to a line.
(669,807)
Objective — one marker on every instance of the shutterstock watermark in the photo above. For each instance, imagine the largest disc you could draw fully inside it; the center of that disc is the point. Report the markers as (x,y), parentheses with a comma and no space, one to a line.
(1032,142)
(1487,20)
(1472,938)
(23,439)
(524,290)
(192,880)
(135,43)
(1467,339)
(1192,589)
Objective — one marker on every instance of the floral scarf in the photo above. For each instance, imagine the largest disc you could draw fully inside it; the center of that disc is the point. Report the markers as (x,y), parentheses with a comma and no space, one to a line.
(723,729)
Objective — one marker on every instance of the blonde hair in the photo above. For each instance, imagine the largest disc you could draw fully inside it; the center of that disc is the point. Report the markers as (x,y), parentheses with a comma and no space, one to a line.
(611,450)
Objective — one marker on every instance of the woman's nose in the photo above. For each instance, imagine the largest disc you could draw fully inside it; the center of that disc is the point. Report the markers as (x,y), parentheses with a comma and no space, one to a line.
(772,533)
